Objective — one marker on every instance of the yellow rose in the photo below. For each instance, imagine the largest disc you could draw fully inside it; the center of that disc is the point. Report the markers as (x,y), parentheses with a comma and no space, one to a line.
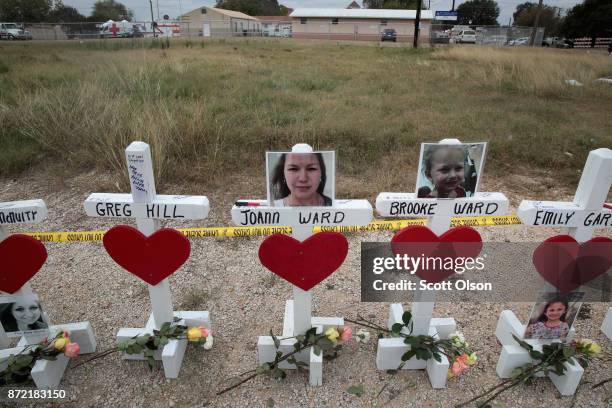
(332,334)
(60,343)
(593,348)
(194,334)
(472,358)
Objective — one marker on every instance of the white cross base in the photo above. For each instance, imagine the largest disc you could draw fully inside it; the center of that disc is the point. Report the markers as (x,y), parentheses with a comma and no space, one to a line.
(172,354)
(513,355)
(45,373)
(581,217)
(439,213)
(148,209)
(298,317)
(266,351)
(390,350)
(606,326)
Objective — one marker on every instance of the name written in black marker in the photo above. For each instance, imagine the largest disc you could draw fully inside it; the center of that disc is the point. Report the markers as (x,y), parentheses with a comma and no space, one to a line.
(249,217)
(17,216)
(592,219)
(125,210)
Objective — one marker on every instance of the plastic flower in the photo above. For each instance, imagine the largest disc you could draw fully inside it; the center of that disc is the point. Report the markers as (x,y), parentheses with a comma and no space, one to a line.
(460,365)
(346,334)
(208,343)
(60,343)
(471,360)
(363,336)
(66,333)
(45,341)
(457,335)
(72,350)
(332,334)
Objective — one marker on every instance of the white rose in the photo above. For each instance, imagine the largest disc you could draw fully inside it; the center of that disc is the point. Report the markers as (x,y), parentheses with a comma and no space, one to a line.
(208,343)
(363,336)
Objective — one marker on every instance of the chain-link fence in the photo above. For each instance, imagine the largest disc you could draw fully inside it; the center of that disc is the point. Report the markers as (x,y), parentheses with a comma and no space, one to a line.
(486,35)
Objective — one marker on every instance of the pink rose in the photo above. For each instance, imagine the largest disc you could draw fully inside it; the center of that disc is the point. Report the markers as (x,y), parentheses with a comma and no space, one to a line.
(66,333)
(205,331)
(72,350)
(346,334)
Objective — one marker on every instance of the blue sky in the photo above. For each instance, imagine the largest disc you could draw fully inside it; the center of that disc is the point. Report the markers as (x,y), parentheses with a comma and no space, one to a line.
(173,7)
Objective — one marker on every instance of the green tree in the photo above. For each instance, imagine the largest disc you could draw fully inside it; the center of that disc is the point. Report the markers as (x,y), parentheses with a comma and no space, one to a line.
(592,18)
(254,7)
(25,11)
(550,18)
(478,12)
(392,4)
(527,6)
(104,10)
(65,14)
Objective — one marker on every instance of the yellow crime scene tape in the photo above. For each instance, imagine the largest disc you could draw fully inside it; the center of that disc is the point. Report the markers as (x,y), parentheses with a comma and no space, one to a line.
(221,232)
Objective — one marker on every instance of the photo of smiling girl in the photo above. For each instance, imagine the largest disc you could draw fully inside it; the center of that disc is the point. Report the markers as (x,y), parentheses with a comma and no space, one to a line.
(22,315)
(449,170)
(553,316)
(300,179)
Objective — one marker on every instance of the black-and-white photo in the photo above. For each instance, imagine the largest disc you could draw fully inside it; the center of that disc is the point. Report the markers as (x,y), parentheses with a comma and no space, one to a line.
(21,315)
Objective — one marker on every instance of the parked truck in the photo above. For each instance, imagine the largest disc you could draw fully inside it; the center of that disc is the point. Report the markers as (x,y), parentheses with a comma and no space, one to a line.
(12,31)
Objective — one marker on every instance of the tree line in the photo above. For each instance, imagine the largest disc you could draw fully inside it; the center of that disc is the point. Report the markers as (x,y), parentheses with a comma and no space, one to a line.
(591,18)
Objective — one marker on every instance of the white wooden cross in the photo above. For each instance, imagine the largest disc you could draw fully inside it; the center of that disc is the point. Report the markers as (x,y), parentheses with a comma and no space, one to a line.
(148,209)
(439,213)
(581,216)
(298,311)
(45,373)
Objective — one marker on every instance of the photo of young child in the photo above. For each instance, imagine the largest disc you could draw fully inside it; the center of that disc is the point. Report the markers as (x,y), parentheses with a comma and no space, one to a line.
(449,170)
(553,316)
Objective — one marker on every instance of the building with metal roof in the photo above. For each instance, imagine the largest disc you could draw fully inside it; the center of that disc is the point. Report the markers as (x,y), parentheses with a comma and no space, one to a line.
(358,24)
(216,22)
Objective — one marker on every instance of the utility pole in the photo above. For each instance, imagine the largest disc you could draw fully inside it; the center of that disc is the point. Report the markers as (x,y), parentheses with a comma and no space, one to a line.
(535,24)
(152,20)
(417,24)
(453,8)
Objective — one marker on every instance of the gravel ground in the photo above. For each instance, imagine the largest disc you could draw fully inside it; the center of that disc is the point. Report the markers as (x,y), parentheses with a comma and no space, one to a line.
(80,282)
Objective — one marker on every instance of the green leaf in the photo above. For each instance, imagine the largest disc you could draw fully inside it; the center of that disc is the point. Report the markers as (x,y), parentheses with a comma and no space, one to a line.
(300,338)
(392,372)
(142,340)
(24,359)
(536,355)
(397,328)
(408,355)
(165,327)
(269,403)
(407,318)
(437,357)
(356,390)
(275,340)
(523,344)
(317,350)
(568,352)
(325,344)
(163,341)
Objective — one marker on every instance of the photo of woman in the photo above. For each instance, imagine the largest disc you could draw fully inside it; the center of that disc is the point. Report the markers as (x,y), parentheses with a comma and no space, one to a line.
(553,317)
(300,179)
(449,170)
(23,314)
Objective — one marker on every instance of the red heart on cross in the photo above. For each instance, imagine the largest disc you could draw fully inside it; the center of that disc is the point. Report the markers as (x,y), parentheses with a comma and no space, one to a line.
(418,241)
(567,265)
(151,258)
(21,257)
(304,264)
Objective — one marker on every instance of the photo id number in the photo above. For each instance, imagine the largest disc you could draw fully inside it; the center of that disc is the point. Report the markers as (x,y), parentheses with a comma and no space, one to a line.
(32,394)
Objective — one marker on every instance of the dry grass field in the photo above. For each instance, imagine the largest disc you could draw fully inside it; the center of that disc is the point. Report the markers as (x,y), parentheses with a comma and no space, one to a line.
(210,109)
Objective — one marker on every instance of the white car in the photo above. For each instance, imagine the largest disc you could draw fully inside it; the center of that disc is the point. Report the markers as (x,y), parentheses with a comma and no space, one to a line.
(11,31)
(466,36)
(519,41)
